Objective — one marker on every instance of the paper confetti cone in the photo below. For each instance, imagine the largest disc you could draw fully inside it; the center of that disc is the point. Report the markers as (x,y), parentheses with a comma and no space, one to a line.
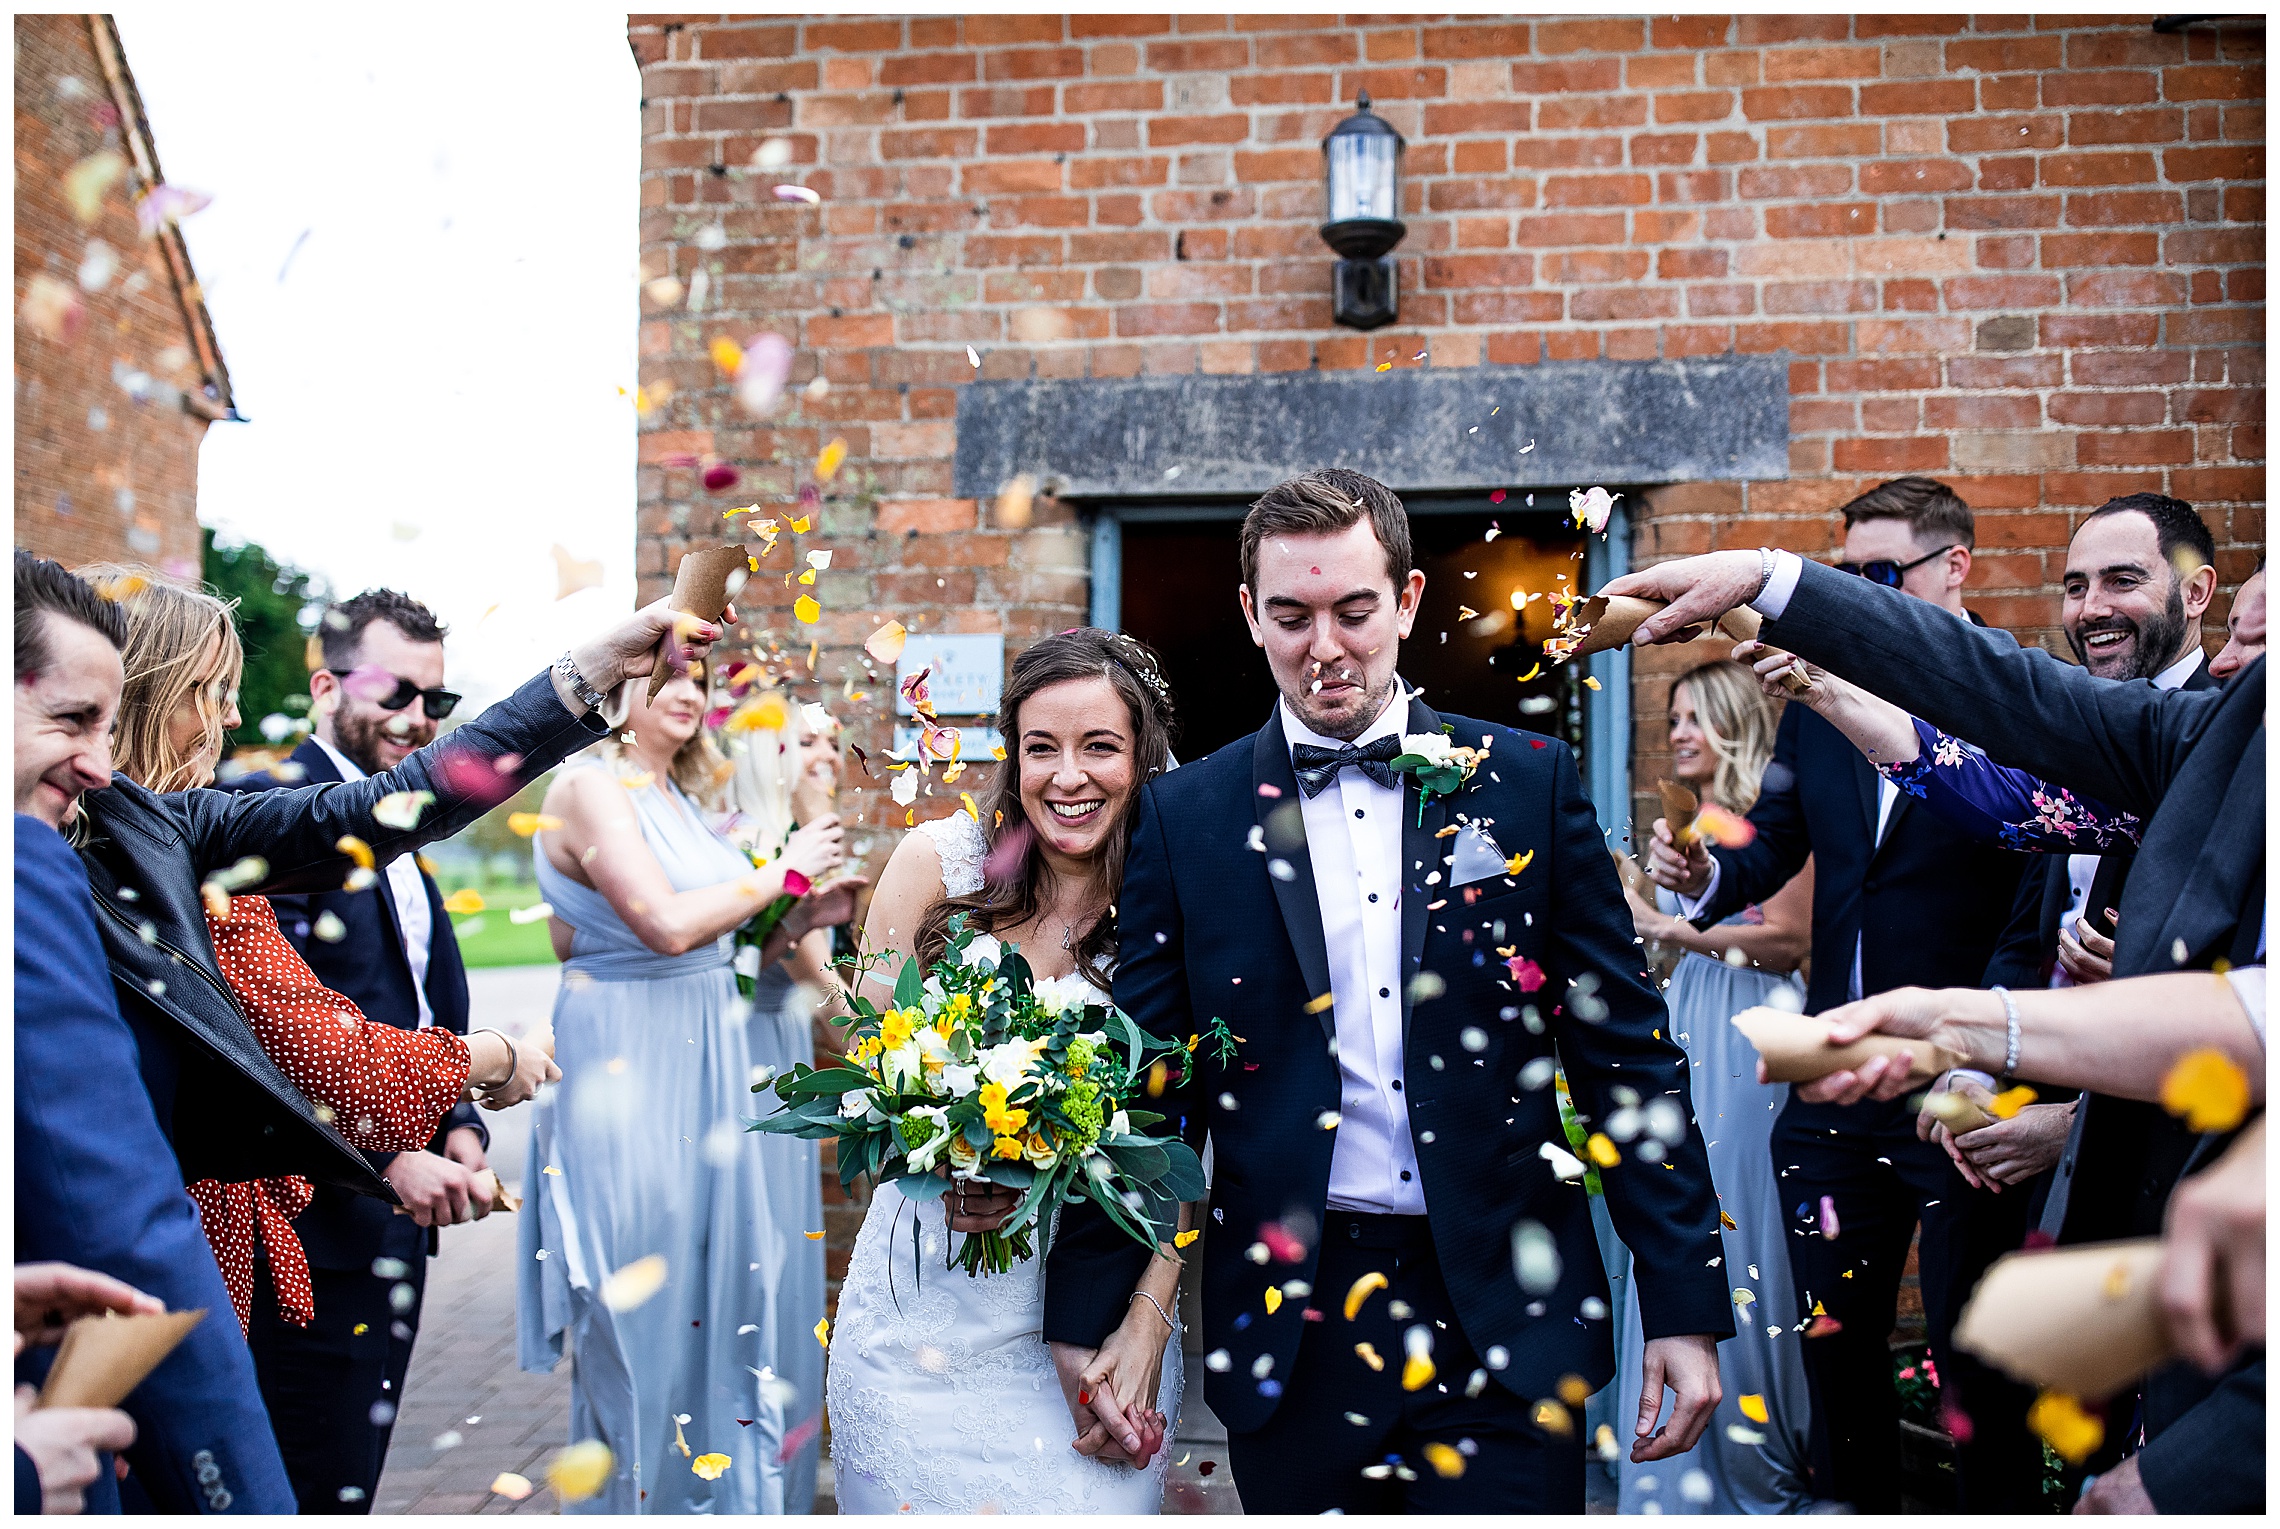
(488,1186)
(1607,622)
(2085,1321)
(103,1358)
(702,586)
(1796,1047)
(1679,807)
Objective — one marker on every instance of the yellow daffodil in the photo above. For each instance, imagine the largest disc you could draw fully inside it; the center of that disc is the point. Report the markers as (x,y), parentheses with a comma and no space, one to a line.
(1008,1146)
(1002,1119)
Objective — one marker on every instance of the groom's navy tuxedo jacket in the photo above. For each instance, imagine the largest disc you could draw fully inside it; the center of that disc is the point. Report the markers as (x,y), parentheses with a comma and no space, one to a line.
(1205,930)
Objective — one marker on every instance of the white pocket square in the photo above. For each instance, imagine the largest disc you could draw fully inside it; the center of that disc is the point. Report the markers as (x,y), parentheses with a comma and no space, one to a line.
(1475,857)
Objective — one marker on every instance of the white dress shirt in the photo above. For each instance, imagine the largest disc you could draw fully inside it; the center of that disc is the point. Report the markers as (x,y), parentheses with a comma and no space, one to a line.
(1353,836)
(2081,870)
(409,893)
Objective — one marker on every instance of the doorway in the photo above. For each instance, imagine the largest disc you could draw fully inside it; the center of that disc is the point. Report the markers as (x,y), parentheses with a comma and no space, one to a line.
(1168,575)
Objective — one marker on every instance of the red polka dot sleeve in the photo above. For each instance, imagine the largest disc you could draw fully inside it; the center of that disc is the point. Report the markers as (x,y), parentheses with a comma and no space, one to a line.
(383,1087)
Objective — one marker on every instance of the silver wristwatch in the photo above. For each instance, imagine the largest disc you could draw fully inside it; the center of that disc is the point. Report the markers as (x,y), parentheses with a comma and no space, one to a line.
(1765,573)
(567,667)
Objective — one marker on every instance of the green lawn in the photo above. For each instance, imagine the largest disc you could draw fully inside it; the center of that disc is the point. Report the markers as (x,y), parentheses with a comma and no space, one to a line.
(490,938)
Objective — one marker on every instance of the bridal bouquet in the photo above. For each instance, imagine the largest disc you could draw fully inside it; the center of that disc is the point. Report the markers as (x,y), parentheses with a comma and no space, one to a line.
(980,1069)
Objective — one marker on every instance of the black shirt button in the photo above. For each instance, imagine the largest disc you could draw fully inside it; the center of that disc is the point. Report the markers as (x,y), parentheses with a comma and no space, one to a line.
(1373,897)
(1397,1085)
(1385,992)
(1404,1175)
(1358,812)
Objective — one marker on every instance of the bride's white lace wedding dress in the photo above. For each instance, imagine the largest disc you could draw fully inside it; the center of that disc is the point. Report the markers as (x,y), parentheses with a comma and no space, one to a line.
(942,1392)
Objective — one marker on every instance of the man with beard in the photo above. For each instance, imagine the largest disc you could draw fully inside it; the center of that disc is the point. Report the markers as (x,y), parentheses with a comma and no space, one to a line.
(2139,575)
(333,1387)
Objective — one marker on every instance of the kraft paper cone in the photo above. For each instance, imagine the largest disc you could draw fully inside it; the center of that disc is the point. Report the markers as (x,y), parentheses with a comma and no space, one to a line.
(1679,807)
(1796,1047)
(2085,1321)
(103,1358)
(1607,622)
(1959,1109)
(701,588)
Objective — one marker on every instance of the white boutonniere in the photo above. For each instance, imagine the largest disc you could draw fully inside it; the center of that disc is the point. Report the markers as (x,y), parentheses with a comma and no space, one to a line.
(1439,765)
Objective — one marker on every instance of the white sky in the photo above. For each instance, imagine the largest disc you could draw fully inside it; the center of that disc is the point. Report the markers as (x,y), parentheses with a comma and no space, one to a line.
(420,259)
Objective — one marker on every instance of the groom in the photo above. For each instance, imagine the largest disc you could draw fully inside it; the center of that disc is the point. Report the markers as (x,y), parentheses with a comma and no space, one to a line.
(1404,1306)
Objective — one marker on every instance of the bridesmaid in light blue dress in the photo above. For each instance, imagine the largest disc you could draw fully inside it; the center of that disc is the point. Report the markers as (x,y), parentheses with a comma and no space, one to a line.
(1721,730)
(641,1165)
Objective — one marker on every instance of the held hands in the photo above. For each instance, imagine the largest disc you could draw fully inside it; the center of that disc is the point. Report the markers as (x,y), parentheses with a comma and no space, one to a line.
(1683,869)
(1111,1391)
(1697,589)
(1688,1364)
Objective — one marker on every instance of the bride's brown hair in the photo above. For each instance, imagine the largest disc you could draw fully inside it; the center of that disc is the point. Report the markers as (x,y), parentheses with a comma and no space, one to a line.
(1011,897)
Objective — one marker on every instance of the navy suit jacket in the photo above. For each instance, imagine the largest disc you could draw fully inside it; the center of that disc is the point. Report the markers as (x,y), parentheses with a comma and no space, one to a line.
(367,964)
(97,1186)
(1200,911)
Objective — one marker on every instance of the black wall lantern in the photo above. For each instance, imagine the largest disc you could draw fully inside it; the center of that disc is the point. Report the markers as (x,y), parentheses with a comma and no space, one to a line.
(1363,154)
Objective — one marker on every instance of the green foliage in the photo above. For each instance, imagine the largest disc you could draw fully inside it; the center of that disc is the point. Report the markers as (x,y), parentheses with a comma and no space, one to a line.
(272,599)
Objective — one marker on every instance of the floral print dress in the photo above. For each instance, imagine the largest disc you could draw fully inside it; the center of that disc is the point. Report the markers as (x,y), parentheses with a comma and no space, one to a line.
(2004,805)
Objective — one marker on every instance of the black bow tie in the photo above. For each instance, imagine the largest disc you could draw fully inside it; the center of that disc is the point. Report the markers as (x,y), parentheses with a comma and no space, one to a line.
(1317,767)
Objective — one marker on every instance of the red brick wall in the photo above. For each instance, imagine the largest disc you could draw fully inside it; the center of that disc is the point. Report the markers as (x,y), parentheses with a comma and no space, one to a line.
(98,475)
(2023,254)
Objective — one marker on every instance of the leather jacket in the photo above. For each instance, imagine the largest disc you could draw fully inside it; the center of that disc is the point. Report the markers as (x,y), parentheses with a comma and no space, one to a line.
(229,1111)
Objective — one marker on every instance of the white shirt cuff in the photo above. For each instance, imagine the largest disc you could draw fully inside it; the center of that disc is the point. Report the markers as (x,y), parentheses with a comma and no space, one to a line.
(2248,986)
(1690,907)
(1772,600)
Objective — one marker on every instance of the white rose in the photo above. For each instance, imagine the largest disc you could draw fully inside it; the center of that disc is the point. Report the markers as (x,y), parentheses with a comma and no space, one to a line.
(854,1102)
(1057,995)
(983,947)
(1433,747)
(960,1080)
(1010,1063)
(1591,507)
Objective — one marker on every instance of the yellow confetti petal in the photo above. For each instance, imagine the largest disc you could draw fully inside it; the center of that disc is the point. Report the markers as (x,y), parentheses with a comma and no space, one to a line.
(823,1331)
(581,1470)
(1753,1407)
(360,1329)
(1728,1222)
(2208,1089)
(1385,366)
(2009,1102)
(827,464)
(1589,683)
(1370,1356)
(710,1466)
(524,824)
(1361,1290)
(401,809)
(1182,1239)
(635,1283)
(1602,1150)
(807,610)
(2065,1427)
(813,1236)
(886,644)
(1518,863)
(1536,669)
(1574,1390)
(727,354)
(1417,1372)
(465,900)
(1274,1300)
(356,849)
(799,526)
(1553,1418)
(968,798)
(510,1486)
(1445,1460)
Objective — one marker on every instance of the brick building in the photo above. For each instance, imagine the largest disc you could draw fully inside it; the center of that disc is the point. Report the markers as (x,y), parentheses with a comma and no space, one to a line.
(1735,267)
(118,372)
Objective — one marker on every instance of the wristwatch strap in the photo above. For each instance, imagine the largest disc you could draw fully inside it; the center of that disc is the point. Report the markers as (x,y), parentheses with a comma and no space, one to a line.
(567,667)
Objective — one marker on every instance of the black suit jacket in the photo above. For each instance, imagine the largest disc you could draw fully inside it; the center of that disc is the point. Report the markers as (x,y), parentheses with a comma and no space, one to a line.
(1925,904)
(2190,762)
(1200,912)
(368,964)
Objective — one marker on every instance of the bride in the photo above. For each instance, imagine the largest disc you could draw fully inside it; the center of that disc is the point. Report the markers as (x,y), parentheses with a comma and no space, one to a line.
(944,1397)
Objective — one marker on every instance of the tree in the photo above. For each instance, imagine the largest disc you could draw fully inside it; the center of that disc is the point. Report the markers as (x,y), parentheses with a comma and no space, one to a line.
(278,607)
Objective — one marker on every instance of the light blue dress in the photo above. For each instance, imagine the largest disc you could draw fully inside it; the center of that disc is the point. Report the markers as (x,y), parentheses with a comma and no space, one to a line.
(642,1150)
(1722,1474)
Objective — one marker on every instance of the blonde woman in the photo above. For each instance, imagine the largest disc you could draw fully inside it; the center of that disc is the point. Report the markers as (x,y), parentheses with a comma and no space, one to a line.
(387,1088)
(653,1242)
(1721,739)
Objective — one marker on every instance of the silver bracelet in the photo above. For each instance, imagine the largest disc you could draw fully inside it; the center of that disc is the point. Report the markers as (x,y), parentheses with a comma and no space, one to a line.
(514,1057)
(1142,1295)
(1765,572)
(580,686)
(2010,1031)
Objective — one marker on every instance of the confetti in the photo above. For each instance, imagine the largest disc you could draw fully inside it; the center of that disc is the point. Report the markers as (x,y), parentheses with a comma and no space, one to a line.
(531,914)
(1526,973)
(974,357)
(51,309)
(773,154)
(1829,1226)
(465,900)
(823,1331)
(1417,1370)
(1370,1356)
(1182,1239)
(634,1284)
(401,809)
(726,354)
(1602,1150)
(524,824)
(2208,1090)
(1274,1300)
(511,1486)
(1518,863)
(806,609)
(571,573)
(1591,507)
(2009,1102)
(2065,1427)
(86,182)
(164,204)
(1753,1407)
(329,928)
(578,1472)
(1015,500)
(710,1467)
(1444,1460)
(798,194)
(827,464)
(760,377)
(1535,1257)
(1554,1418)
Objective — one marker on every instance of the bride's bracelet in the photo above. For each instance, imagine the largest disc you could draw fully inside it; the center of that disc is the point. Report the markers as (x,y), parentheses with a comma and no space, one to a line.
(1142,1295)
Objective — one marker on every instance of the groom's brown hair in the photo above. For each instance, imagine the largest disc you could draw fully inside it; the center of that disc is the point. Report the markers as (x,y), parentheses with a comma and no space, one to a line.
(1330,499)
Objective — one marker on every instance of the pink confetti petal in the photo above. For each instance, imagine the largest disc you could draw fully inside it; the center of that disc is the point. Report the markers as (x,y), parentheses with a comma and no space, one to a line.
(1527,973)
(167,204)
(760,380)
(798,194)
(1829,1217)
(721,477)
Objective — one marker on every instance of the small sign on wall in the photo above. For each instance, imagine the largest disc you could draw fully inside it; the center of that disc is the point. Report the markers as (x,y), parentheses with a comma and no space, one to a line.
(968,673)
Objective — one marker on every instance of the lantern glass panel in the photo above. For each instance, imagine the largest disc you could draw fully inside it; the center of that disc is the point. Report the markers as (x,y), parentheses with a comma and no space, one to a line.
(1362,176)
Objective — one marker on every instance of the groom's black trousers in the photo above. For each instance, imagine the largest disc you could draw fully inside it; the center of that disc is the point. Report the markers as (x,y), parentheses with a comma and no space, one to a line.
(1340,1416)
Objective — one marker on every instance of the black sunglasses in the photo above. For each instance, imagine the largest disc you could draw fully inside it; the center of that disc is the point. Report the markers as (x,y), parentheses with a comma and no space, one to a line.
(437,703)
(1884,571)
